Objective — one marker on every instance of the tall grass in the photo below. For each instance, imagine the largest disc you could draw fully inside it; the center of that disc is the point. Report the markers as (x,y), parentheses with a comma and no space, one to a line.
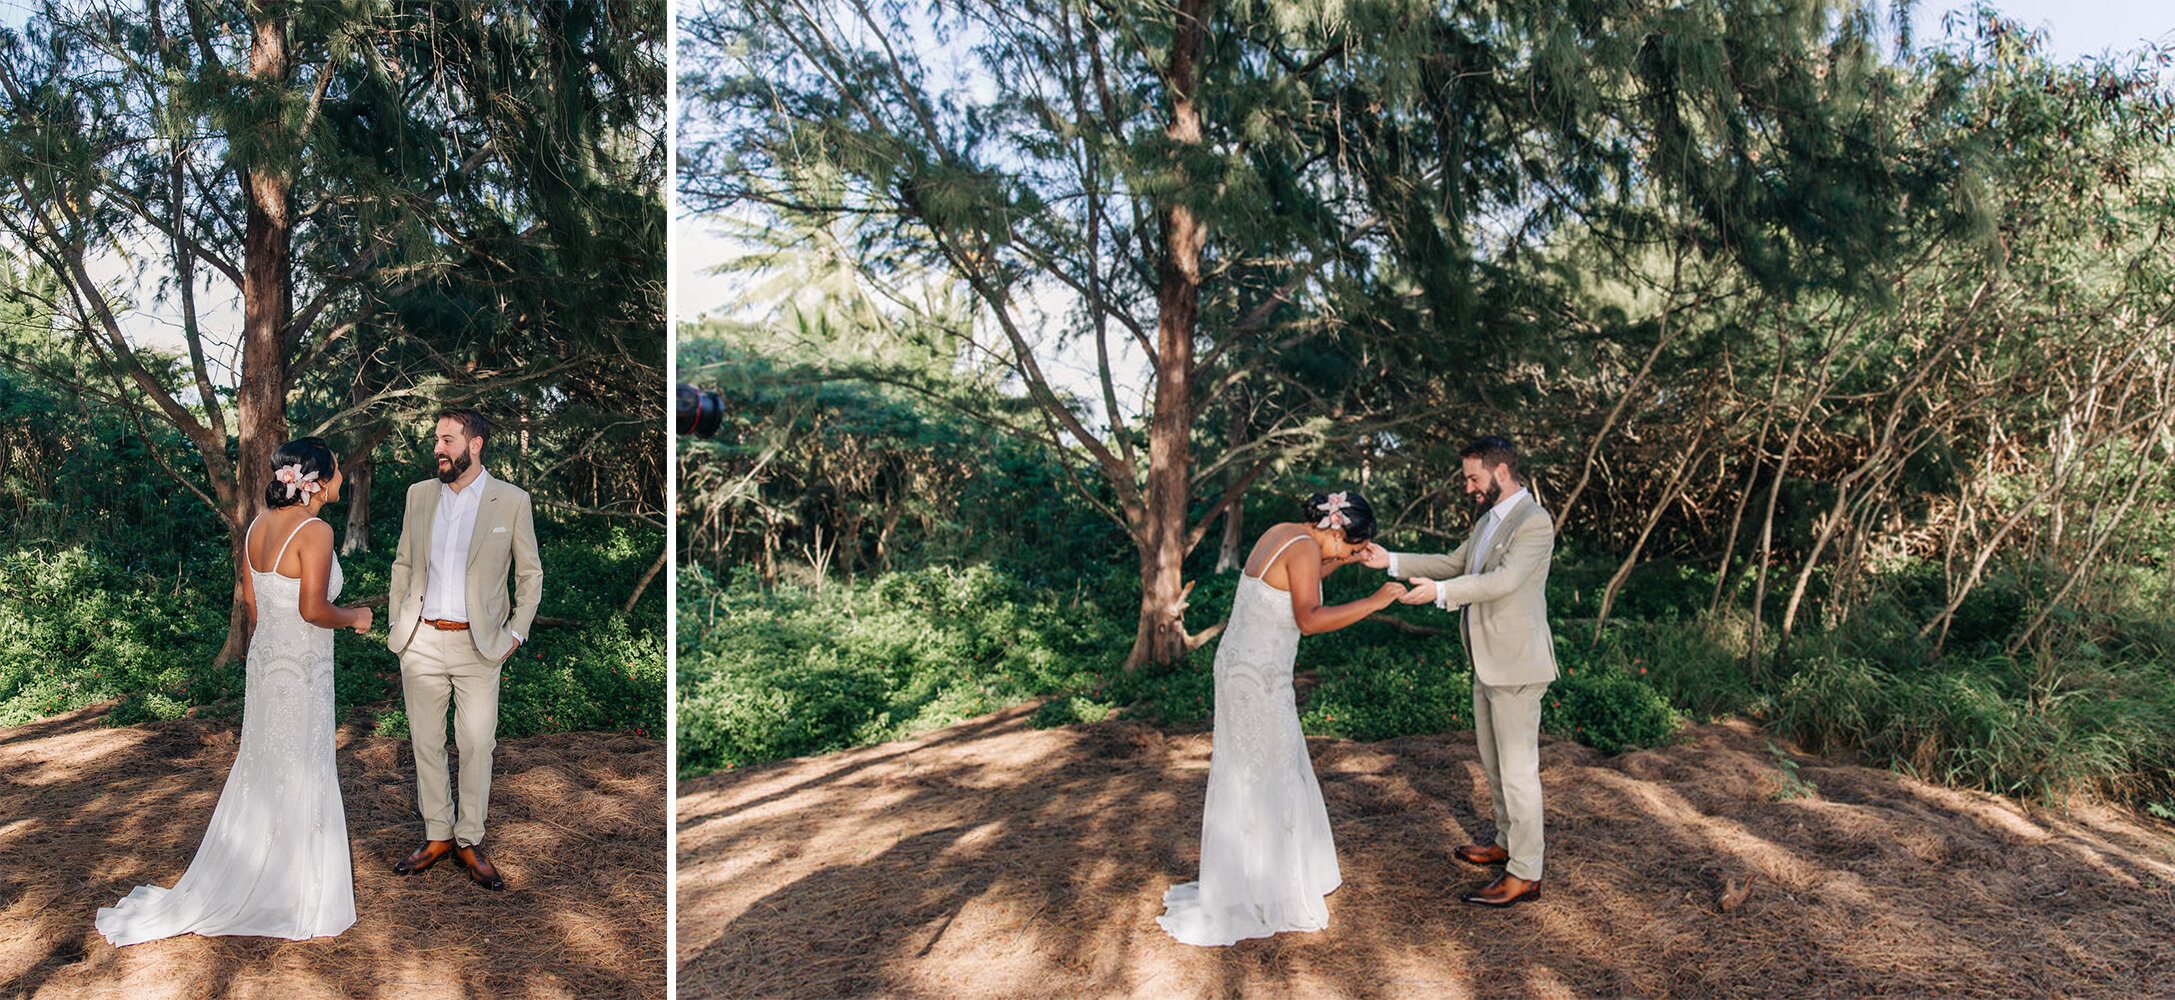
(2045,732)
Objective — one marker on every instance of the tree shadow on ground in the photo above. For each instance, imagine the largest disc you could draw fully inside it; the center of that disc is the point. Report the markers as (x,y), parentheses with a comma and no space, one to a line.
(576,824)
(992,859)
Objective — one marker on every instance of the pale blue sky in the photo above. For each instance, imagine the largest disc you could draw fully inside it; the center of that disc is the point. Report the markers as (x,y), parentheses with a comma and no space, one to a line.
(2081,27)
(2075,28)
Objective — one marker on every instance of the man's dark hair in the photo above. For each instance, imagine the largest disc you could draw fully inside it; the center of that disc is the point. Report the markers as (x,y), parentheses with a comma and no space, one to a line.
(1493,451)
(474,424)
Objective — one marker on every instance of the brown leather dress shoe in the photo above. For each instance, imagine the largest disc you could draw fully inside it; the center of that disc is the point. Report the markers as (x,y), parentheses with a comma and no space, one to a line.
(424,857)
(1475,854)
(480,869)
(1510,890)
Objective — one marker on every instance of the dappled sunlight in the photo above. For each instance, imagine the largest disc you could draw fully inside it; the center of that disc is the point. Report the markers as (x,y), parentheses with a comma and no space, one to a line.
(993,859)
(576,825)
(53,750)
(1543,983)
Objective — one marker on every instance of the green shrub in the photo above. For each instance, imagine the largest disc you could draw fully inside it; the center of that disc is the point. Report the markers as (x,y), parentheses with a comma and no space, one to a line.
(76,630)
(797,671)
(1380,686)
(1831,702)
(810,709)
(1694,665)
(1991,613)
(1386,690)
(1066,710)
(605,675)
(137,706)
(1184,695)
(79,628)
(393,723)
(1609,712)
(1789,784)
(794,670)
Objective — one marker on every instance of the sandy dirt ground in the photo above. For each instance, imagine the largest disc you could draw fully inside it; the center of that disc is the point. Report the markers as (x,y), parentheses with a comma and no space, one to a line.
(577,827)
(994,860)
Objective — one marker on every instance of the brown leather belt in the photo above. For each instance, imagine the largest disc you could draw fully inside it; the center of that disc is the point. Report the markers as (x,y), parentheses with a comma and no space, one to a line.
(445,626)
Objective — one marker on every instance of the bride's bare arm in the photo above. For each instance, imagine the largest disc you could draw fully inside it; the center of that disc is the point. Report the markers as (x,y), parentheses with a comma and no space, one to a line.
(314,548)
(1303,571)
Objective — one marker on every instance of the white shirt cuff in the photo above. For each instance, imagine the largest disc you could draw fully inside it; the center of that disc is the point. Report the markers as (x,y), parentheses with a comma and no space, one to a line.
(1393,565)
(1442,597)
(518,637)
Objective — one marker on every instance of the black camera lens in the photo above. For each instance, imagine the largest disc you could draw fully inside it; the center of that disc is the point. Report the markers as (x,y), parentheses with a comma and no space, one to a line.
(700,411)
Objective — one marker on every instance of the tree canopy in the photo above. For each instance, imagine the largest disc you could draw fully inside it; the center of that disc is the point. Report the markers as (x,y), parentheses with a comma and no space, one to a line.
(1759,286)
(415,204)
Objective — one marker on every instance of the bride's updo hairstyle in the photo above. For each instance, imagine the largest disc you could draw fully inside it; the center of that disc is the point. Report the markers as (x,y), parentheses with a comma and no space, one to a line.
(314,456)
(1346,510)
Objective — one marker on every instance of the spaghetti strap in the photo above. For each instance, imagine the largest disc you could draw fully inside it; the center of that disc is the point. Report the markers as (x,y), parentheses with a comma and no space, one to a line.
(1272,556)
(283,549)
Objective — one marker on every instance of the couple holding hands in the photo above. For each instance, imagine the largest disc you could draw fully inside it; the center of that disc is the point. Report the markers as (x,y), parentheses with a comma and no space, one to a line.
(1267,858)
(274,860)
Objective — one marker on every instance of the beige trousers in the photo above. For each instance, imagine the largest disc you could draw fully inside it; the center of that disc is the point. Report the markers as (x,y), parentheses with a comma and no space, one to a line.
(1507,725)
(438,666)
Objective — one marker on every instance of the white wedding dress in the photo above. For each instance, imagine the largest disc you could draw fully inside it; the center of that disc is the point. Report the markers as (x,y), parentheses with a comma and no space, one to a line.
(1266,855)
(274,861)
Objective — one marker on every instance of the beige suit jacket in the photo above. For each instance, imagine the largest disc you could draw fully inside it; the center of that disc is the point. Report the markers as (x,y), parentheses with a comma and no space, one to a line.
(1505,594)
(504,541)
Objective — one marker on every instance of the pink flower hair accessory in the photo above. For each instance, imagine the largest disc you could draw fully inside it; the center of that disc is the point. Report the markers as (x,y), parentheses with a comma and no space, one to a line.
(1333,511)
(297,481)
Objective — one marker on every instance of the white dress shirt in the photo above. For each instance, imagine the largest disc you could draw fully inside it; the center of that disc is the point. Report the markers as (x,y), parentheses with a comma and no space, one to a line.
(1488,523)
(1481,537)
(445,581)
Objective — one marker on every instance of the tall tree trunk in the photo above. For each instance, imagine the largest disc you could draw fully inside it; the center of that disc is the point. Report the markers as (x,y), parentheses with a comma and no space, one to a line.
(360,465)
(1163,537)
(1230,555)
(358,508)
(266,302)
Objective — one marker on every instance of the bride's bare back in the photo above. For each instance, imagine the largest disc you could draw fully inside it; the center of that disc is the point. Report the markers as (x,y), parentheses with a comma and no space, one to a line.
(1271,557)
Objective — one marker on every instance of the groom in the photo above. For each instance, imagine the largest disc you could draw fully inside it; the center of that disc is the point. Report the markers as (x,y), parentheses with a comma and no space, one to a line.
(450,625)
(1499,577)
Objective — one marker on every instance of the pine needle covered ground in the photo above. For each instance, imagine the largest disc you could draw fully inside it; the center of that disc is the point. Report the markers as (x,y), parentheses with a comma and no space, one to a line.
(991,859)
(577,827)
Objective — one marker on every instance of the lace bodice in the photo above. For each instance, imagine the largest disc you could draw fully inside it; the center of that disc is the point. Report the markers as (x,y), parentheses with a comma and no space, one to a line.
(1254,700)
(293,587)
(283,642)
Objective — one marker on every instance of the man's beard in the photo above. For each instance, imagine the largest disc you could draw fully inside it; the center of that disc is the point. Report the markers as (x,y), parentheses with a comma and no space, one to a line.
(452,468)
(1486,498)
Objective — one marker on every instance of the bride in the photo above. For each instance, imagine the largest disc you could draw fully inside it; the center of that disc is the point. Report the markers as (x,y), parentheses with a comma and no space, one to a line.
(1266,855)
(274,861)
